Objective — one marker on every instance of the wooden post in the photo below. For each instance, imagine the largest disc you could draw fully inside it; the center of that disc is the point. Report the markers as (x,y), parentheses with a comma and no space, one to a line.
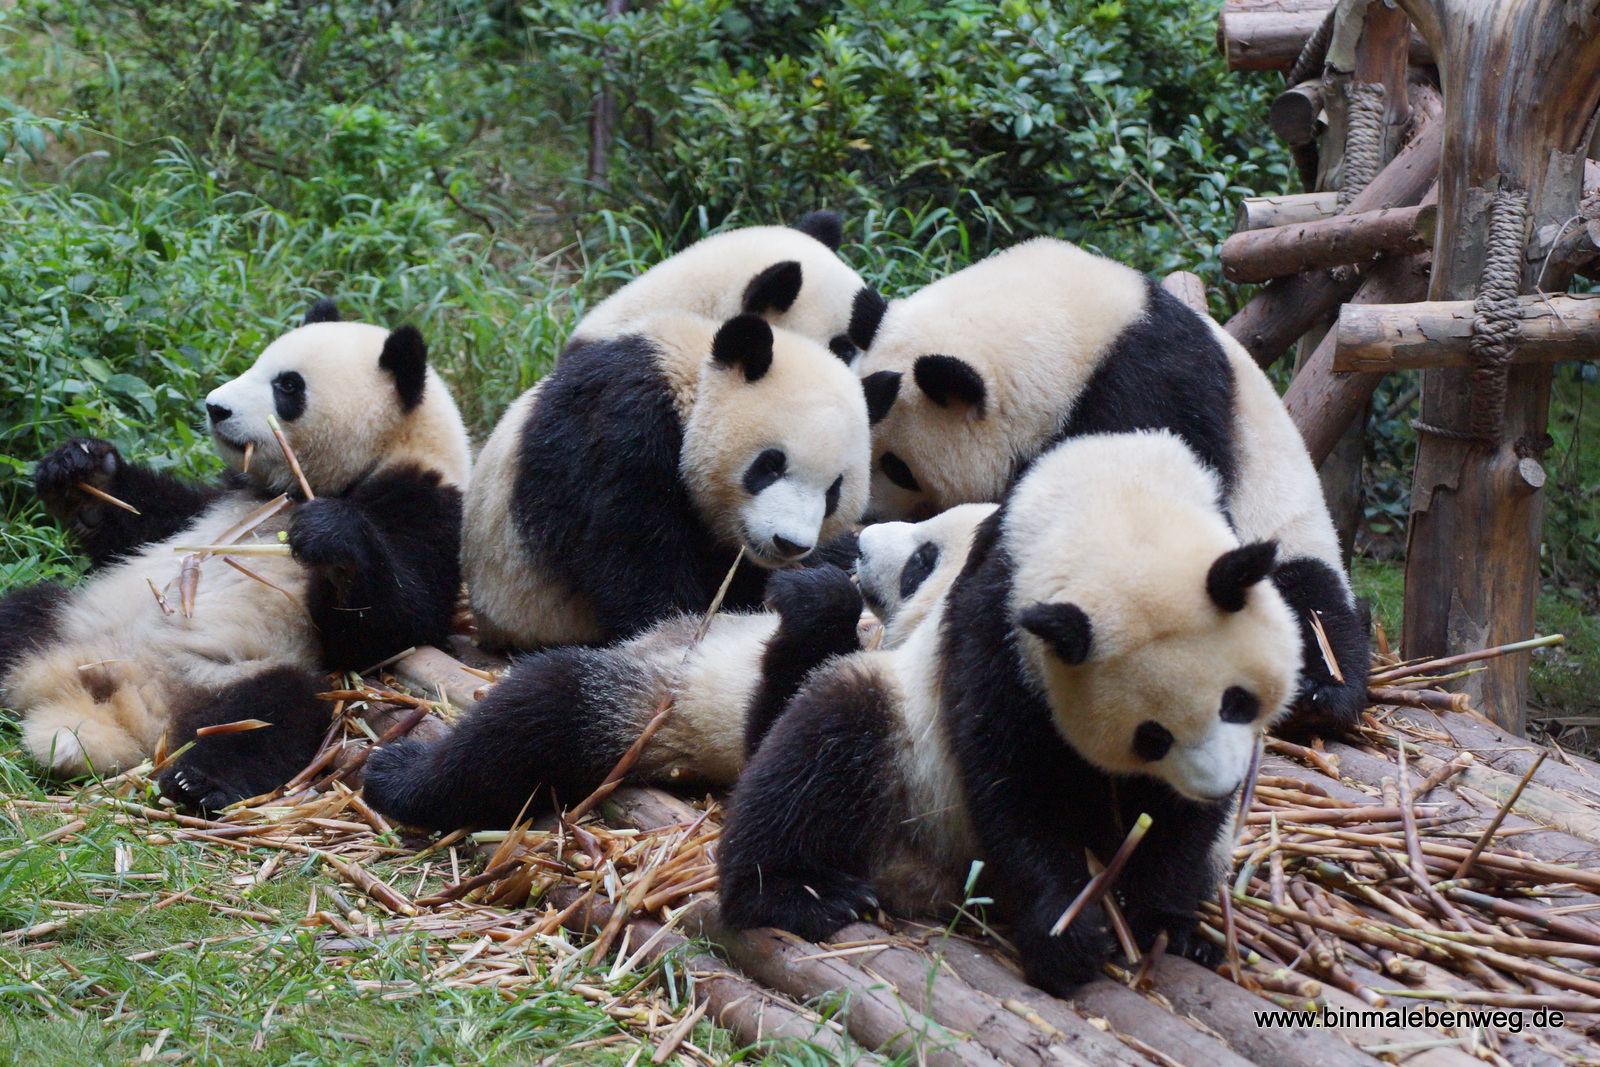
(1521,81)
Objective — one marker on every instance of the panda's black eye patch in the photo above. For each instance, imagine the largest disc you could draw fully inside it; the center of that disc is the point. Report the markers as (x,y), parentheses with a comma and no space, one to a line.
(895,469)
(765,469)
(1239,705)
(1151,741)
(830,500)
(289,395)
(917,568)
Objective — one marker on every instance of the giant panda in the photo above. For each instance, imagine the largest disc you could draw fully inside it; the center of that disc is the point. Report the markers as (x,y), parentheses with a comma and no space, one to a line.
(100,673)
(1108,649)
(625,397)
(560,719)
(973,377)
(625,487)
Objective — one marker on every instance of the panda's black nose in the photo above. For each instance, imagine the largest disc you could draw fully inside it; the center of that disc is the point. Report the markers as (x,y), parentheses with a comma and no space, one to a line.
(218,413)
(788,547)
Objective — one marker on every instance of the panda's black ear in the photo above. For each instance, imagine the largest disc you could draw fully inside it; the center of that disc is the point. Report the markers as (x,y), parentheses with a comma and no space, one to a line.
(744,341)
(866,312)
(774,289)
(323,310)
(881,388)
(825,226)
(1236,570)
(405,357)
(946,379)
(1064,627)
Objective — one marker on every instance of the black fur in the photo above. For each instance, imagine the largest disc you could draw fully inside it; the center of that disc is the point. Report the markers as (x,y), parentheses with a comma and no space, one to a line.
(323,310)
(599,500)
(288,396)
(1036,804)
(819,609)
(947,379)
(28,619)
(774,289)
(809,811)
(1064,627)
(841,552)
(548,732)
(744,341)
(226,768)
(841,345)
(881,389)
(105,531)
(866,314)
(918,566)
(1166,371)
(386,572)
(826,226)
(1324,703)
(405,357)
(1237,570)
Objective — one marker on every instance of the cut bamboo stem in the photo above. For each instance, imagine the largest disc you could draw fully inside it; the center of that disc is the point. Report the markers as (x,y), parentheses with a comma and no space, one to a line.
(101,494)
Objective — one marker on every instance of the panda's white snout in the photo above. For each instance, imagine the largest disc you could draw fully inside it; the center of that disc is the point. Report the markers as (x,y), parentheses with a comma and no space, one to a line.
(1212,770)
(783,522)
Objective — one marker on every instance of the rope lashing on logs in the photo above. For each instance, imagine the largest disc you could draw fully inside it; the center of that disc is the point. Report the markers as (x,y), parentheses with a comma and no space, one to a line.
(1496,322)
(1363,139)
(1314,54)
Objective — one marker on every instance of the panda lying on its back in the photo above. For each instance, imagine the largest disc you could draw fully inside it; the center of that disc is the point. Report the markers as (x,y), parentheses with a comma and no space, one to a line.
(561,719)
(1109,649)
(617,490)
(100,673)
(971,378)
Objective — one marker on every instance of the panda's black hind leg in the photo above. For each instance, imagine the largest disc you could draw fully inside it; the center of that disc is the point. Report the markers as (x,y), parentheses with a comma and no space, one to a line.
(225,768)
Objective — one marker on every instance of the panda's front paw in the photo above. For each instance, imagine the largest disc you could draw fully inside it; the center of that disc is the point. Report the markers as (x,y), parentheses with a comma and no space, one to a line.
(59,476)
(329,533)
(815,597)
(812,904)
(193,788)
(1207,954)
(1057,963)
(395,782)
(1325,707)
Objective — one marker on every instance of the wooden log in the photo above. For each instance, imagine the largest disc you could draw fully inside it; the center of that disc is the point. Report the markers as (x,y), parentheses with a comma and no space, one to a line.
(1262,212)
(1188,288)
(1384,337)
(1129,1013)
(1322,402)
(1295,112)
(1230,1011)
(1272,40)
(1288,307)
(1521,84)
(433,671)
(1258,255)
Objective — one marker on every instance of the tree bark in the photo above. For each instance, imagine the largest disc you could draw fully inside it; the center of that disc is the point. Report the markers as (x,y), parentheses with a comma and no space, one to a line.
(1288,307)
(1188,288)
(1439,333)
(1294,113)
(1322,402)
(1257,255)
(1265,212)
(1260,39)
(1521,81)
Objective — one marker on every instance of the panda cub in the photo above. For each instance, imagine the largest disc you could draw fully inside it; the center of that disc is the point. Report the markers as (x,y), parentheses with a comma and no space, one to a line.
(1109,649)
(102,672)
(561,719)
(617,491)
(645,464)
(970,379)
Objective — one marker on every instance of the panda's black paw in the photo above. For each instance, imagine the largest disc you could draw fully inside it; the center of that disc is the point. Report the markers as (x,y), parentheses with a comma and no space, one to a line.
(191,787)
(1324,708)
(58,478)
(1057,963)
(812,904)
(815,597)
(842,552)
(394,784)
(330,533)
(1206,953)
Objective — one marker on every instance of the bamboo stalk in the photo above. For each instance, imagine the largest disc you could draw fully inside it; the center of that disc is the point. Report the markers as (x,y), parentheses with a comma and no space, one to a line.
(288,454)
(1098,886)
(236,550)
(101,494)
(1499,817)
(1425,666)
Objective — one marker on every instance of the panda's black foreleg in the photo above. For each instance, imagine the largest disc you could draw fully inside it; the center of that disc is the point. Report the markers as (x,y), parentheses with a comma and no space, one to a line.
(165,504)
(1171,872)
(28,620)
(798,849)
(225,768)
(819,609)
(549,731)
(385,561)
(1324,702)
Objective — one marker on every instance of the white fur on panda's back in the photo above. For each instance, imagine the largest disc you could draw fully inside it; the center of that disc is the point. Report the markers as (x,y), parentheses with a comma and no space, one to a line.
(1276,494)
(709,278)
(147,658)
(516,602)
